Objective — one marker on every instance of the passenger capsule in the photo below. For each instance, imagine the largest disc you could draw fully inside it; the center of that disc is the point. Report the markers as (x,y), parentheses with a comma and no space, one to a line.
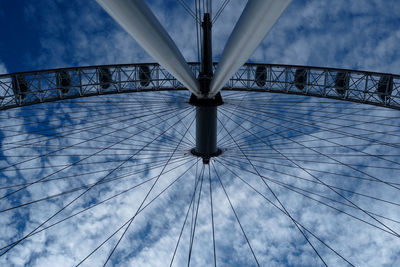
(20,86)
(144,75)
(261,76)
(341,82)
(300,78)
(105,77)
(63,81)
(385,87)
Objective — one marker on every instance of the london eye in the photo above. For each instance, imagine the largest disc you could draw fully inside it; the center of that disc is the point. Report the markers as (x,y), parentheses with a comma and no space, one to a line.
(203,163)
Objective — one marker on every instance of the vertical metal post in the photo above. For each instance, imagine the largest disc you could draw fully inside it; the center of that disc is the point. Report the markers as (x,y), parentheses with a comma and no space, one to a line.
(206,108)
(206,73)
(206,130)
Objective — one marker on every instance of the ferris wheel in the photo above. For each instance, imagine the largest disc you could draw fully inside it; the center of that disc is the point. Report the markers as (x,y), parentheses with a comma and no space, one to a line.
(200,163)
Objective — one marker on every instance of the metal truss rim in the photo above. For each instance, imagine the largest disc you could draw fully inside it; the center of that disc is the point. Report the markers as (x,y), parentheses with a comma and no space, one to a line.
(28,88)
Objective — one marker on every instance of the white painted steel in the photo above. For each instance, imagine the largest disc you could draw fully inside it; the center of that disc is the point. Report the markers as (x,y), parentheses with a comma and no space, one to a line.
(139,21)
(256,21)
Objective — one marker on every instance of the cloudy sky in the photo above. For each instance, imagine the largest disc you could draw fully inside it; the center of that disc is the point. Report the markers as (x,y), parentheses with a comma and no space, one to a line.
(331,166)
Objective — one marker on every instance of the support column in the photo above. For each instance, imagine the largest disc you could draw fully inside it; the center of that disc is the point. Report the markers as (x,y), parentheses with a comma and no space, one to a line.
(206,131)
(206,108)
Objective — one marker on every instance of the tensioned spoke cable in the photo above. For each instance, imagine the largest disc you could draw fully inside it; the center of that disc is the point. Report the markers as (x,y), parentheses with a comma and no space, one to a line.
(236,216)
(115,149)
(219,132)
(191,142)
(98,203)
(327,156)
(290,187)
(80,195)
(283,143)
(184,223)
(321,109)
(87,130)
(188,10)
(169,137)
(294,99)
(149,152)
(83,109)
(196,182)
(91,119)
(339,162)
(237,106)
(155,162)
(85,164)
(345,115)
(259,152)
(79,175)
(80,160)
(126,222)
(280,209)
(218,13)
(88,185)
(286,110)
(326,121)
(142,104)
(263,160)
(277,199)
(165,189)
(140,209)
(274,163)
(148,193)
(368,166)
(294,120)
(146,156)
(342,211)
(64,134)
(316,182)
(316,147)
(82,142)
(310,157)
(193,233)
(212,216)
(333,190)
(75,131)
(284,100)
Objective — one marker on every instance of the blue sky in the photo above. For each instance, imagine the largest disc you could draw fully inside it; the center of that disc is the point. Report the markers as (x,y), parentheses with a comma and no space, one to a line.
(52,34)
(362,35)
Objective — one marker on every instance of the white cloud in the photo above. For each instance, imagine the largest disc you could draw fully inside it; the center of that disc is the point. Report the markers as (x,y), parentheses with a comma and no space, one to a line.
(3,69)
(94,39)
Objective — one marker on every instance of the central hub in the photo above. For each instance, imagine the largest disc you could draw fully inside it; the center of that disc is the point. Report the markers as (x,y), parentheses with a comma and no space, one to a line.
(206,106)
(206,127)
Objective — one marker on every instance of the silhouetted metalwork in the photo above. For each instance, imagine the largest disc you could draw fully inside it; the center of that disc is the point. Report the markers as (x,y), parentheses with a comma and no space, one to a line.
(385,87)
(261,76)
(19,86)
(63,81)
(300,78)
(144,75)
(20,89)
(105,77)
(341,82)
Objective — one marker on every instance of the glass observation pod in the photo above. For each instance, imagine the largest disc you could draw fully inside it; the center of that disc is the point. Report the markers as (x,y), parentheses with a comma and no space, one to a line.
(385,87)
(300,78)
(144,75)
(342,82)
(261,76)
(63,81)
(19,86)
(105,77)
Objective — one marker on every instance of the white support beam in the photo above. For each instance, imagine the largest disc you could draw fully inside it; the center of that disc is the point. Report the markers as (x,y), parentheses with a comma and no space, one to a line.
(256,21)
(139,21)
